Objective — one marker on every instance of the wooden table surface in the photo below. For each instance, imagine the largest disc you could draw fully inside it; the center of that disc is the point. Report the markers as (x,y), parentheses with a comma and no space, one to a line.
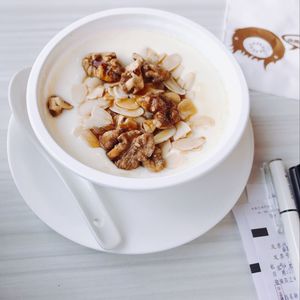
(37,263)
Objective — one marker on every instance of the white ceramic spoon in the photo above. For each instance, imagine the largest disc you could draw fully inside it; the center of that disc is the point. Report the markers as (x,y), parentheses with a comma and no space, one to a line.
(93,211)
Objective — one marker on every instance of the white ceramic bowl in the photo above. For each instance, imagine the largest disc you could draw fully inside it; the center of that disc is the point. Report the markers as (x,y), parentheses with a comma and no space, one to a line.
(184,30)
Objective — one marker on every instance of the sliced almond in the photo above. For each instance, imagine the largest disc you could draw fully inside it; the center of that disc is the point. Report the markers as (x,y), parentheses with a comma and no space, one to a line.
(172,97)
(182,129)
(174,160)
(90,138)
(79,91)
(202,121)
(119,92)
(161,57)
(104,103)
(99,118)
(177,72)
(149,126)
(127,103)
(152,56)
(171,61)
(91,82)
(86,107)
(97,92)
(189,143)
(165,148)
(173,86)
(189,80)
(164,135)
(186,109)
(127,112)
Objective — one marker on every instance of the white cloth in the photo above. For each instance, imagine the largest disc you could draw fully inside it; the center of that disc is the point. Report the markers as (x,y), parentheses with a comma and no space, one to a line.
(264,37)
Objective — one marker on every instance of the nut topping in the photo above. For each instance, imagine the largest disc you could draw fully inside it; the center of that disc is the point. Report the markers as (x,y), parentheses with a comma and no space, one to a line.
(90,138)
(164,135)
(140,115)
(104,66)
(189,143)
(56,105)
(141,149)
(97,92)
(149,126)
(156,162)
(129,124)
(171,96)
(127,103)
(165,112)
(91,82)
(202,121)
(127,112)
(109,139)
(154,73)
(152,56)
(99,131)
(174,86)
(182,129)
(171,62)
(124,141)
(189,81)
(99,117)
(132,79)
(186,109)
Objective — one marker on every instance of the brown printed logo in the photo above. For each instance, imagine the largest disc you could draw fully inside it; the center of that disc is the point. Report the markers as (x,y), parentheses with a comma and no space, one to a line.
(293,40)
(259,44)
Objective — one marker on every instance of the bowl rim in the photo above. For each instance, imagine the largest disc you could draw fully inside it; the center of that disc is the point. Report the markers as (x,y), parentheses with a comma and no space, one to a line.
(115,181)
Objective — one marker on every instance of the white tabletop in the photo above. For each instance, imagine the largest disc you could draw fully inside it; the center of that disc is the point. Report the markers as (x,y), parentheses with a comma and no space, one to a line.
(37,263)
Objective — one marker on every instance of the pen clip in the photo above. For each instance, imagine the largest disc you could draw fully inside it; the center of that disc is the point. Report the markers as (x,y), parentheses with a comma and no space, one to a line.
(271,197)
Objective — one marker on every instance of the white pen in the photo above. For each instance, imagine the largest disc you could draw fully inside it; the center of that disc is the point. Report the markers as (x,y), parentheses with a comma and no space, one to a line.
(288,211)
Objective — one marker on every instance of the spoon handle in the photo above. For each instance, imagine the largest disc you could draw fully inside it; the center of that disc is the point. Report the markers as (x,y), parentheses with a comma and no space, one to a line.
(92,209)
(89,203)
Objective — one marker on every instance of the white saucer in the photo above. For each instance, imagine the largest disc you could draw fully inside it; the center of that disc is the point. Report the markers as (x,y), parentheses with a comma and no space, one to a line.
(149,222)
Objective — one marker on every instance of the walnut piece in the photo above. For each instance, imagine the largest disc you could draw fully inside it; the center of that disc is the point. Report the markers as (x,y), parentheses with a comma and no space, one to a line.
(167,118)
(141,148)
(154,73)
(129,124)
(165,111)
(149,125)
(156,162)
(132,79)
(125,139)
(56,105)
(109,139)
(97,131)
(104,66)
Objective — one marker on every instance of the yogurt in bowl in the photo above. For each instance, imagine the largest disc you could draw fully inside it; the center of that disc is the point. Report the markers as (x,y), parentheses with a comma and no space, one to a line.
(218,94)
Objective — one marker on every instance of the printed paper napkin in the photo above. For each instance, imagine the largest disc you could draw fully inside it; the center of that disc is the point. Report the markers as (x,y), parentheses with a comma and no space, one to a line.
(264,37)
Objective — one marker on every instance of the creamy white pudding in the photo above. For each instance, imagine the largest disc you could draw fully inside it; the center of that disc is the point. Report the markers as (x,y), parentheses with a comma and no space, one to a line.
(208,95)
